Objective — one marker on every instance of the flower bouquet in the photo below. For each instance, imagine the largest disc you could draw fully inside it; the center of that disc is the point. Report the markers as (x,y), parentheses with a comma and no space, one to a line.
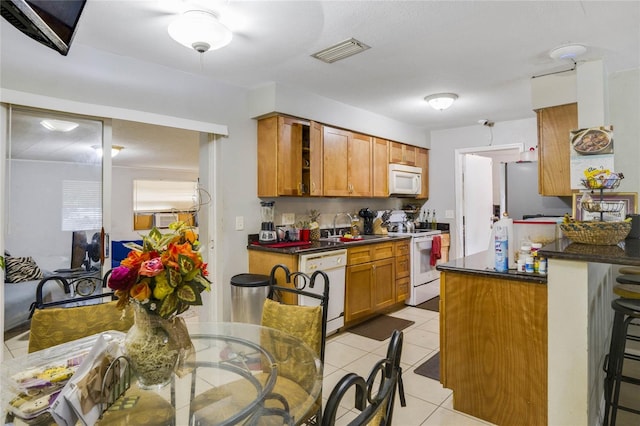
(161,278)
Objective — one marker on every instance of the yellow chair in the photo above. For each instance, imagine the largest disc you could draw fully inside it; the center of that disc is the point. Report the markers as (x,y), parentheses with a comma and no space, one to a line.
(307,323)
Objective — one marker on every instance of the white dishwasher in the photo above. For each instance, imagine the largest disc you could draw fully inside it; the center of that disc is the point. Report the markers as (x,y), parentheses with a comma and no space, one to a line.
(333,263)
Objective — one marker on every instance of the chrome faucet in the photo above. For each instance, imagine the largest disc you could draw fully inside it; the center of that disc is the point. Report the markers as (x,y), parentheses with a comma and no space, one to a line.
(335,233)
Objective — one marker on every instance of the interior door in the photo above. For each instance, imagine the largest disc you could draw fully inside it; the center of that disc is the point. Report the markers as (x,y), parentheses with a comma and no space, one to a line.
(477,190)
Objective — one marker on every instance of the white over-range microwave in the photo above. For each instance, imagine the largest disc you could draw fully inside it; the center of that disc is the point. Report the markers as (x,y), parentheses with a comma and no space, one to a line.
(404,180)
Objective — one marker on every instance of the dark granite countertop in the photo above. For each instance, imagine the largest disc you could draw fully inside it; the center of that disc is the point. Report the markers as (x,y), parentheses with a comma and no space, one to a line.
(476,264)
(321,246)
(626,252)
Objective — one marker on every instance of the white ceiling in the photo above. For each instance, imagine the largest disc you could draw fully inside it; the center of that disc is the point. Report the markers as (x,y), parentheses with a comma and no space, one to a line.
(485,51)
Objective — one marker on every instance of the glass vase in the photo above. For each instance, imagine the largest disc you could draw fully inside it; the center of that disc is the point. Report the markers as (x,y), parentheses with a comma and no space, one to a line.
(152,348)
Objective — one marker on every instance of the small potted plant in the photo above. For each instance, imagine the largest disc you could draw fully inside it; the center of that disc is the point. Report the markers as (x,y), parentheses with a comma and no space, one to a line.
(304,231)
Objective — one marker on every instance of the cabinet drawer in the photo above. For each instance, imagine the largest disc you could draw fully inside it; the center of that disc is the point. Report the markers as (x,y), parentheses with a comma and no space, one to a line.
(403,266)
(402,248)
(402,289)
(357,255)
(381,251)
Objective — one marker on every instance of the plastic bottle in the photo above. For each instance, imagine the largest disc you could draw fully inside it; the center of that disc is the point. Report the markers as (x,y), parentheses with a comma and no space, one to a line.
(536,259)
(501,245)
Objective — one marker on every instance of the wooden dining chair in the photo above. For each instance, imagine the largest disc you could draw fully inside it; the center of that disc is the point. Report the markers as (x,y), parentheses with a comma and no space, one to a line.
(375,396)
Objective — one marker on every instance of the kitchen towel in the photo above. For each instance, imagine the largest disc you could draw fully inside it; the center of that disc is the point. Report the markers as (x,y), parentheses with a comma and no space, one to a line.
(435,249)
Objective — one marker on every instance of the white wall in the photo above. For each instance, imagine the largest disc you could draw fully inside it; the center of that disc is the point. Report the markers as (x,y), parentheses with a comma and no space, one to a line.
(442,195)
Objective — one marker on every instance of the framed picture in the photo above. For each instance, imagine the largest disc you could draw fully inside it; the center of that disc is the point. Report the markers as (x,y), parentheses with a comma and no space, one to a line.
(615,205)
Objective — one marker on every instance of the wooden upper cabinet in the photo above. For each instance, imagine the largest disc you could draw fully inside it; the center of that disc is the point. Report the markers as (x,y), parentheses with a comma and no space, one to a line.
(422,161)
(380,168)
(289,156)
(554,127)
(346,163)
(400,153)
(315,160)
(335,159)
(360,165)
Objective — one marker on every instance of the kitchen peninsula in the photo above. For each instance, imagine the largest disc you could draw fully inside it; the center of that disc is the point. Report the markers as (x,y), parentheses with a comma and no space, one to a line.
(521,349)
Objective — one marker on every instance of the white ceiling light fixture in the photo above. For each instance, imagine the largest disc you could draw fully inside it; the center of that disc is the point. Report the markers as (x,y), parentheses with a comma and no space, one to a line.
(200,30)
(115,150)
(568,51)
(441,101)
(59,125)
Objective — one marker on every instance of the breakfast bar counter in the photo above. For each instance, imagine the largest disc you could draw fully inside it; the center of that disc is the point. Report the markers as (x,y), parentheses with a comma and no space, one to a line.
(529,349)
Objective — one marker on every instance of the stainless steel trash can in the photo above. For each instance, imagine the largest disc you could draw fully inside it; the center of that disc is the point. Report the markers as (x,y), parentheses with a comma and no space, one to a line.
(248,292)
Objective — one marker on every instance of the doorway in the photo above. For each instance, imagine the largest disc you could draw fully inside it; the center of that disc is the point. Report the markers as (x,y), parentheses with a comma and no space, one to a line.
(476,230)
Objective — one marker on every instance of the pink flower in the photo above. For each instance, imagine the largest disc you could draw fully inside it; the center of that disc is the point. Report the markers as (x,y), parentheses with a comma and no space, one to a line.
(151,268)
(122,278)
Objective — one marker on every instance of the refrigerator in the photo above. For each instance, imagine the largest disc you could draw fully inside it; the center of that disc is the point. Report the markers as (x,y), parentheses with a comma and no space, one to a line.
(519,193)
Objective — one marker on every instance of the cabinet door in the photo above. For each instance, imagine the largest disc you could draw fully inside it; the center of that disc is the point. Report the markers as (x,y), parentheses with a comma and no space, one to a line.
(401,153)
(289,156)
(360,165)
(315,159)
(335,155)
(384,284)
(422,161)
(358,291)
(554,125)
(380,168)
(267,151)
(396,152)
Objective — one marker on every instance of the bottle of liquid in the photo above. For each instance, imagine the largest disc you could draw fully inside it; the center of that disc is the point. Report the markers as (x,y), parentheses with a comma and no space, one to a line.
(427,219)
(501,246)
(434,222)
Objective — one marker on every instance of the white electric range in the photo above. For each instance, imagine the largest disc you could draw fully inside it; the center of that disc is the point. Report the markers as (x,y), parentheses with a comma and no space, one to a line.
(425,279)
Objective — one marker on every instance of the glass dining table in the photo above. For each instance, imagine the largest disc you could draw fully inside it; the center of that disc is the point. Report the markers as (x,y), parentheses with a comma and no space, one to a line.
(231,380)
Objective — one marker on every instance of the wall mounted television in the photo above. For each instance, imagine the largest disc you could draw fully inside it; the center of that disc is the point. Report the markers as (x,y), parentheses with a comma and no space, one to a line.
(50,22)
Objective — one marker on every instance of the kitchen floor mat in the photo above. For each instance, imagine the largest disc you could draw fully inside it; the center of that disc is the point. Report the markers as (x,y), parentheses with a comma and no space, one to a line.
(381,327)
(430,368)
(431,304)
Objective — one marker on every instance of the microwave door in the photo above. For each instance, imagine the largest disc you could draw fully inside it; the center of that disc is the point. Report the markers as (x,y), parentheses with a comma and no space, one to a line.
(408,183)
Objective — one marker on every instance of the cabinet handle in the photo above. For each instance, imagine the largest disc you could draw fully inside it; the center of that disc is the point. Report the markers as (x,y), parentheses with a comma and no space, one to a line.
(313,187)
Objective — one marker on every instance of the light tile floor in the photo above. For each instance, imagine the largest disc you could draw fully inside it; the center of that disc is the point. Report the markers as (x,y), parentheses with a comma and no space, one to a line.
(428,403)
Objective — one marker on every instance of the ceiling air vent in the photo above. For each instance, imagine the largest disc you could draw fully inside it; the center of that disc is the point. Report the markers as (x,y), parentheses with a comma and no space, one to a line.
(340,51)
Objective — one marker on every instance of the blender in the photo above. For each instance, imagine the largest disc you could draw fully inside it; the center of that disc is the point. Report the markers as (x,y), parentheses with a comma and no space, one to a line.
(267,229)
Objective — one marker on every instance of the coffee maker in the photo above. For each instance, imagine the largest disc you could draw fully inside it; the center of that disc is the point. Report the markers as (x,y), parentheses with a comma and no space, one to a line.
(267,233)
(368,216)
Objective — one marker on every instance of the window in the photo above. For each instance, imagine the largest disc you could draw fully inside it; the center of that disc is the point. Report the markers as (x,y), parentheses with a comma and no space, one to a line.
(160,202)
(81,205)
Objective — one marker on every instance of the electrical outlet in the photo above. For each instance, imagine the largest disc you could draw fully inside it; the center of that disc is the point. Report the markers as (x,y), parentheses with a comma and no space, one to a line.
(239,223)
(448,214)
(288,218)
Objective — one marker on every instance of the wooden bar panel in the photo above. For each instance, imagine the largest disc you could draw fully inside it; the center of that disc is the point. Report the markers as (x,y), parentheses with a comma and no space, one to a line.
(494,348)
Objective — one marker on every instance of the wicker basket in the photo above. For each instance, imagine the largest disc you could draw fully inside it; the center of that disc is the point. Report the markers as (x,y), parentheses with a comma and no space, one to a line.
(599,233)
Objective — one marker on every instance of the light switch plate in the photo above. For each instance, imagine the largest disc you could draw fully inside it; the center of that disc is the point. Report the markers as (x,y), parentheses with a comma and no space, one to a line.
(239,223)
(288,218)
(448,214)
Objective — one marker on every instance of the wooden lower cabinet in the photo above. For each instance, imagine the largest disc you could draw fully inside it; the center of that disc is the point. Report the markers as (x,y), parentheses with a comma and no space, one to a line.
(261,262)
(403,269)
(370,280)
(493,347)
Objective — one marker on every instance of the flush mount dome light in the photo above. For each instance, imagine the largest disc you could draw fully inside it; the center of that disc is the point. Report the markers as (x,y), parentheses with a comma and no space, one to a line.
(58,125)
(441,101)
(200,30)
(115,150)
(567,51)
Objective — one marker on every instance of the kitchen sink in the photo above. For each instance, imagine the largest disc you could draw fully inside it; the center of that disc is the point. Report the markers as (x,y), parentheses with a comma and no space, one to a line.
(338,238)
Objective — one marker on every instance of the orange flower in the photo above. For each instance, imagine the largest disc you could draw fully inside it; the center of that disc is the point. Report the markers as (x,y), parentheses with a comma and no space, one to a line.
(190,236)
(170,257)
(135,258)
(140,291)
